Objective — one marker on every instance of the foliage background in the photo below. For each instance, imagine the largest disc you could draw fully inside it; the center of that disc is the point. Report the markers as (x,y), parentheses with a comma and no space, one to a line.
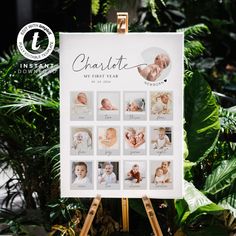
(29,129)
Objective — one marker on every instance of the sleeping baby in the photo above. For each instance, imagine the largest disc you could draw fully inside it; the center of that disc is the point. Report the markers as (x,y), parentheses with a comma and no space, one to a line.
(153,71)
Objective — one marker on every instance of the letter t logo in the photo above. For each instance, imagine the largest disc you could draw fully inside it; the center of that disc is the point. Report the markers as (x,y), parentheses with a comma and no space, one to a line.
(34,42)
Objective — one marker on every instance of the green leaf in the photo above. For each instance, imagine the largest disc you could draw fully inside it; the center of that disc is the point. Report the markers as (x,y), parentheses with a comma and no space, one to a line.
(95,6)
(230,199)
(194,197)
(15,101)
(192,32)
(153,9)
(194,205)
(231,210)
(187,169)
(192,49)
(228,120)
(107,27)
(210,209)
(137,206)
(185,145)
(216,230)
(202,118)
(182,209)
(221,178)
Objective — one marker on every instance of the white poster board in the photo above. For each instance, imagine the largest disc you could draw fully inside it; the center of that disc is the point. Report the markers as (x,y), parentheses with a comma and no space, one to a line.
(121,114)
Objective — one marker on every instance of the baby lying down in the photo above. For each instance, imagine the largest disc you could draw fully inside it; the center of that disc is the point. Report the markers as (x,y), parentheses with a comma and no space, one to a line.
(153,71)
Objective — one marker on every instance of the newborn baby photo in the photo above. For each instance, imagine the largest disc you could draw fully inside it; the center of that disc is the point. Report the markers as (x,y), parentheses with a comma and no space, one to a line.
(153,71)
(108,106)
(135,175)
(158,64)
(135,106)
(108,141)
(108,175)
(161,142)
(134,140)
(161,105)
(82,175)
(81,141)
(81,105)
(161,173)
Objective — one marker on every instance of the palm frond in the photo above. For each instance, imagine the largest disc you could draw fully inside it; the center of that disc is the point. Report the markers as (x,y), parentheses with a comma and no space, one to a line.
(228,120)
(153,9)
(194,31)
(53,154)
(13,56)
(107,27)
(192,49)
(95,6)
(48,71)
(23,99)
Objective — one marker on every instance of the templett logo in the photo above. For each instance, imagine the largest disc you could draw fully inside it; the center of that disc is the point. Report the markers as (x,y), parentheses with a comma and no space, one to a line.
(35,51)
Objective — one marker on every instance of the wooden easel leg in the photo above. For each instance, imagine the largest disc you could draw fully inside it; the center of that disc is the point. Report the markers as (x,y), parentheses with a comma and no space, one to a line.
(125,214)
(90,216)
(152,216)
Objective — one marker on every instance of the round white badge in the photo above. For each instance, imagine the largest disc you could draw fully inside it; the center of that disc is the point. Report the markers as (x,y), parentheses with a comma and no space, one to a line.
(36,53)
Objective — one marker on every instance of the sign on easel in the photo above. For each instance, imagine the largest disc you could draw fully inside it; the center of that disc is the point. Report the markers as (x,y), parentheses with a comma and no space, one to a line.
(121,115)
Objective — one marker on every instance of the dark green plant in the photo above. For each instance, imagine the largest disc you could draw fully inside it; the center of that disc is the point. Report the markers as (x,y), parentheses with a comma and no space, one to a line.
(29,134)
(29,129)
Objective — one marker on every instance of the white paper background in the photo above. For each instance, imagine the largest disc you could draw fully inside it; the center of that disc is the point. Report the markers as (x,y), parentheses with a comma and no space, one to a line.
(133,46)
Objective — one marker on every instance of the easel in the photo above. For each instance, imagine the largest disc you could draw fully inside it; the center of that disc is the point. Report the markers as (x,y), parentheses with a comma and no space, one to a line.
(122,27)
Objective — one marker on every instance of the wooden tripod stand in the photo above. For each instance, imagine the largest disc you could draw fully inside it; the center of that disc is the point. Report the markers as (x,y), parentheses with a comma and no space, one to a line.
(125,216)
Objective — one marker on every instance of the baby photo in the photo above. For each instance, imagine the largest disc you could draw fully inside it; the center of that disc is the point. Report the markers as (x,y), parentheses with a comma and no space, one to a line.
(108,106)
(158,64)
(135,175)
(81,141)
(108,175)
(135,106)
(161,173)
(108,141)
(82,175)
(161,106)
(81,105)
(161,142)
(134,141)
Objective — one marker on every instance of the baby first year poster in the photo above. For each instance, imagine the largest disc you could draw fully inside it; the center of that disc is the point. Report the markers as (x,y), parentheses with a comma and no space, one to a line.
(121,115)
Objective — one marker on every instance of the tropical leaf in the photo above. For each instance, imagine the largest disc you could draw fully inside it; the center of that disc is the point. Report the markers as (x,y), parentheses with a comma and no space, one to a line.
(183,212)
(187,169)
(216,230)
(188,75)
(192,32)
(15,101)
(194,205)
(153,9)
(231,210)
(95,6)
(230,199)
(194,197)
(185,145)
(202,118)
(221,178)
(107,27)
(192,49)
(228,120)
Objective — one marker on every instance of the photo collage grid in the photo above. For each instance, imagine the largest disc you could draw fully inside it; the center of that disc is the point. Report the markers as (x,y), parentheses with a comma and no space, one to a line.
(121,140)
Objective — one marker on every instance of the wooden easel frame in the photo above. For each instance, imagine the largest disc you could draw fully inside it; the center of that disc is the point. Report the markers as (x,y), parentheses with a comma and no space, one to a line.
(122,27)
